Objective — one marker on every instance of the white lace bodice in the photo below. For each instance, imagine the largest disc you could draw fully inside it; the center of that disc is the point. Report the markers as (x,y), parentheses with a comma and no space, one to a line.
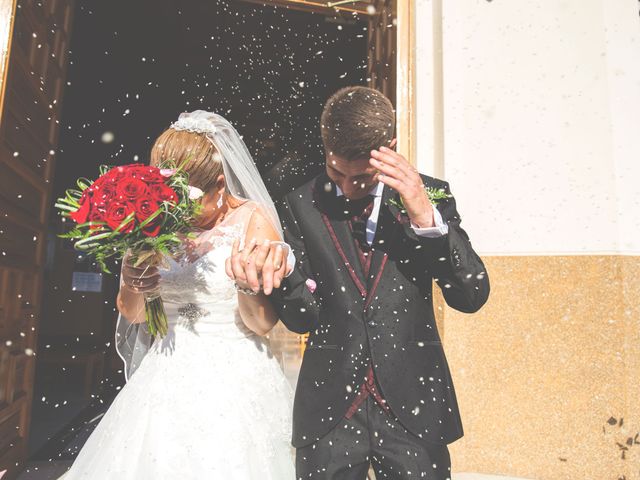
(198,292)
(204,280)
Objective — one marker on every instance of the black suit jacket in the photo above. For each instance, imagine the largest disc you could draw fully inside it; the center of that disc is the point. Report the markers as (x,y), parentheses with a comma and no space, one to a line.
(386,319)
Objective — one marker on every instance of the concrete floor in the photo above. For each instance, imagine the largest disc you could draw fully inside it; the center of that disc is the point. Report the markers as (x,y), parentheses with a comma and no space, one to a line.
(53,470)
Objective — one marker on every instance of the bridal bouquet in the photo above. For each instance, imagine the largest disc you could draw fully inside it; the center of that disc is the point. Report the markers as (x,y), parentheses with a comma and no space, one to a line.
(146,211)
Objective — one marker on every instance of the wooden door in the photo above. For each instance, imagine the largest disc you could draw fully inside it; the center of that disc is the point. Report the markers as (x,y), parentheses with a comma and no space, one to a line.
(381,60)
(29,123)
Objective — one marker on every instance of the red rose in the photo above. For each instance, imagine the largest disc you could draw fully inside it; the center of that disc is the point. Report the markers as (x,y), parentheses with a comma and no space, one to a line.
(116,213)
(130,189)
(100,203)
(115,174)
(97,217)
(152,229)
(103,194)
(102,179)
(81,215)
(145,207)
(163,193)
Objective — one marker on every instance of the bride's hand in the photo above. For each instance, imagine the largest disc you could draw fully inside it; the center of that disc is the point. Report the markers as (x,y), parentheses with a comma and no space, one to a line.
(141,279)
(256,263)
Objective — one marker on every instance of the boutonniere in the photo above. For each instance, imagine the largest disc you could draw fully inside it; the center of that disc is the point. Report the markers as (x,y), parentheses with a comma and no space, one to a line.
(435,196)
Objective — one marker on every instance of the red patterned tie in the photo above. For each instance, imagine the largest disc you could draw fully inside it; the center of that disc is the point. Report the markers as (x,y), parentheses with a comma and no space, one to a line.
(359,221)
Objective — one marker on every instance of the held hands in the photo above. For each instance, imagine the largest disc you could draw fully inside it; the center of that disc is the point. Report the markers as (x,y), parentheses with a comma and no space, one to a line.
(258,265)
(141,279)
(395,171)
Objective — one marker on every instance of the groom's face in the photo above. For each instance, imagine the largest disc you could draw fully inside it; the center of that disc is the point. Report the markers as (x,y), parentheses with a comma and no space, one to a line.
(355,178)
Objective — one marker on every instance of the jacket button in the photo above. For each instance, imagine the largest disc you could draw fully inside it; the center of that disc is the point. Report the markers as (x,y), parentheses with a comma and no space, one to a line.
(371,323)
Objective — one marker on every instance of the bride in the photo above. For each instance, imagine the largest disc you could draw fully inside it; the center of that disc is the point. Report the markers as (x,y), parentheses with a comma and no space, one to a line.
(209,400)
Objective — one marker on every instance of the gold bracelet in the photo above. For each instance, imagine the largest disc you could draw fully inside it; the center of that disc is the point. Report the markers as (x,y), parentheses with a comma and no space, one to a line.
(246,291)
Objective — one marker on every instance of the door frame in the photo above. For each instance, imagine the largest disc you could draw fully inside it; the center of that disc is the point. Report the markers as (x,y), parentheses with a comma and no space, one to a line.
(7,16)
(406,79)
(309,6)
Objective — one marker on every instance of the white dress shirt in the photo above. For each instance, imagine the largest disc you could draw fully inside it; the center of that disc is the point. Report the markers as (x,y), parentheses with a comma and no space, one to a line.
(438,230)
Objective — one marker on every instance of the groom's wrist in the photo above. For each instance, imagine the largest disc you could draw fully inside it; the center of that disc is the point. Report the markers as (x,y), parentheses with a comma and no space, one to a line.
(423,221)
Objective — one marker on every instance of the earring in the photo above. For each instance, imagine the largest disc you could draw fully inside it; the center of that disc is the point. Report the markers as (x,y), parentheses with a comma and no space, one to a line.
(219,202)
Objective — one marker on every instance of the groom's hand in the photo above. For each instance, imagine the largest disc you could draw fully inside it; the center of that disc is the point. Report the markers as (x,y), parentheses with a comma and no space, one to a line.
(257,265)
(395,171)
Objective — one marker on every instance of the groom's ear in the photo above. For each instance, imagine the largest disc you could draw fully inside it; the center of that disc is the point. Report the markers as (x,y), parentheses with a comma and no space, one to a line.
(393,143)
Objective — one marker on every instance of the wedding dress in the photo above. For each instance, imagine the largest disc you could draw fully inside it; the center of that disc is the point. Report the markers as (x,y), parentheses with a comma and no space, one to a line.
(208,401)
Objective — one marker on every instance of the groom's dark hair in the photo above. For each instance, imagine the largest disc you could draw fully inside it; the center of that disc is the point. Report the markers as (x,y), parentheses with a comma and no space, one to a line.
(356,120)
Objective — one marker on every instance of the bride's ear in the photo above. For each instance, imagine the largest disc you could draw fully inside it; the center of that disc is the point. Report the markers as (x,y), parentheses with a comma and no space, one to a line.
(221,188)
(220,184)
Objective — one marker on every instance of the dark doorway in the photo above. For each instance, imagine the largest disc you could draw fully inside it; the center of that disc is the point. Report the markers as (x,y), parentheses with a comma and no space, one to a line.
(137,65)
(133,67)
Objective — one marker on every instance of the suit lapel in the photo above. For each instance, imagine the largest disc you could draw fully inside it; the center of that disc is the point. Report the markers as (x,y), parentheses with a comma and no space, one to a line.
(336,223)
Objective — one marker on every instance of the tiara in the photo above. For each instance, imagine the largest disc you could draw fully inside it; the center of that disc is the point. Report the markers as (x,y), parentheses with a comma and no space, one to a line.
(192,123)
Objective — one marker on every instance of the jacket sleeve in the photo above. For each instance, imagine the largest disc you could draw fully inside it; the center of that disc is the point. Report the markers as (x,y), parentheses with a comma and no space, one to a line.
(451,260)
(297,306)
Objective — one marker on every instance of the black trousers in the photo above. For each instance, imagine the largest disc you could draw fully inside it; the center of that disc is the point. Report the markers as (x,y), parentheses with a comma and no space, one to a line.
(372,437)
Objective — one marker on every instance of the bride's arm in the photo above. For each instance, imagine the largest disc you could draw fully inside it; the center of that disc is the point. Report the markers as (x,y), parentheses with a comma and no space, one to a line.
(256,310)
(131,305)
(134,281)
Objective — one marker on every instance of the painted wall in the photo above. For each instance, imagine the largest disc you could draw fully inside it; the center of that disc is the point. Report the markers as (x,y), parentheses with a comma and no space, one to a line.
(541,115)
(542,150)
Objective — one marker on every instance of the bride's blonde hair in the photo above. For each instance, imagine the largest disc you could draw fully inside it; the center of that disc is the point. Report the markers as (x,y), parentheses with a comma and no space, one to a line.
(204,164)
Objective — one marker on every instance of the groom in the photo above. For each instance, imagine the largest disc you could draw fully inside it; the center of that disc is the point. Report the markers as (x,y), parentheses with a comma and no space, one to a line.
(374,388)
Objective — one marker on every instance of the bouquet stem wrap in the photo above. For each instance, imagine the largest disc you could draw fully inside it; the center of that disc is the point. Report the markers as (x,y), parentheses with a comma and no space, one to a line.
(155,315)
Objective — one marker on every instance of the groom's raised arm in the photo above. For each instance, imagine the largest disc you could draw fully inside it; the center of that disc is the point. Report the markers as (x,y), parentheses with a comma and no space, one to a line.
(451,260)
(296,304)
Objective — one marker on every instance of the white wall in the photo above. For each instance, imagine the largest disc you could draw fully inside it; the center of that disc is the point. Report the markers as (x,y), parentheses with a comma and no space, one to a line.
(622,27)
(541,120)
